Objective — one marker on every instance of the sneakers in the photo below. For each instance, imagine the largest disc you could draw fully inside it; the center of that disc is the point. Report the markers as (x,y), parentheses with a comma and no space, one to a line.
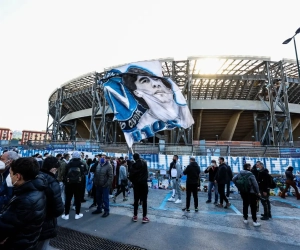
(264,218)
(219,205)
(216,203)
(208,201)
(228,204)
(256,224)
(125,199)
(186,209)
(145,220)
(196,210)
(97,212)
(245,221)
(134,218)
(111,196)
(78,216)
(178,201)
(93,205)
(171,199)
(65,216)
(105,214)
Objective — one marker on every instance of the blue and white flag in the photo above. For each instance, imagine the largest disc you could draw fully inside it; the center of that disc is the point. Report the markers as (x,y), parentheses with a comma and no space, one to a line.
(143,101)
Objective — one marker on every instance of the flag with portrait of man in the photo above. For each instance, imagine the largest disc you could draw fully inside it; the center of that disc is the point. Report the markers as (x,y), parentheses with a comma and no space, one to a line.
(143,101)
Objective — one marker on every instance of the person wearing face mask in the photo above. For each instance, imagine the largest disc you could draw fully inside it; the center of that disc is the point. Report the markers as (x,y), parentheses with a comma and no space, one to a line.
(5,191)
(103,180)
(175,174)
(22,218)
(212,170)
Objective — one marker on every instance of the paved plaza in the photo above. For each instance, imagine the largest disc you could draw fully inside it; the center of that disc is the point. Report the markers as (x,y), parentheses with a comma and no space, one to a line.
(210,228)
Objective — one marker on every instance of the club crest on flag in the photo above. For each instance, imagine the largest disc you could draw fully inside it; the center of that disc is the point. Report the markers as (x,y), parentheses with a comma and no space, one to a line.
(143,101)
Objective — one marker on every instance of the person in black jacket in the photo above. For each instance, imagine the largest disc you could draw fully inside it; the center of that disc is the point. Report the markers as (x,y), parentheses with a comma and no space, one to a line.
(73,185)
(212,170)
(222,180)
(263,183)
(55,206)
(192,172)
(139,176)
(22,218)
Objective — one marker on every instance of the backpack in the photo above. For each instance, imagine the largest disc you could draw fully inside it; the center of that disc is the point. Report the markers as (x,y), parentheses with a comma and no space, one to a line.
(242,183)
(74,174)
(272,183)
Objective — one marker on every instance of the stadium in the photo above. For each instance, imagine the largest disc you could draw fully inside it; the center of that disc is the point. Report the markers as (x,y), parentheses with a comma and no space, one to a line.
(237,101)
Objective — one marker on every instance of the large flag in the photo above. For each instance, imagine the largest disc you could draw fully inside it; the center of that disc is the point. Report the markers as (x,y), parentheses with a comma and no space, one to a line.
(143,101)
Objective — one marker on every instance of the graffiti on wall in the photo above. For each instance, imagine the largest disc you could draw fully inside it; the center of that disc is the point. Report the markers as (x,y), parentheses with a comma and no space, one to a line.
(162,162)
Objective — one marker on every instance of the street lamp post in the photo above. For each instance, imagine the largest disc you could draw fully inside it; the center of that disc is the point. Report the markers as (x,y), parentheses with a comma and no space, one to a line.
(287,41)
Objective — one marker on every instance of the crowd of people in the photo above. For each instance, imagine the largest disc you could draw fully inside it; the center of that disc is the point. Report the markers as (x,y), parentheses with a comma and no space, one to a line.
(35,191)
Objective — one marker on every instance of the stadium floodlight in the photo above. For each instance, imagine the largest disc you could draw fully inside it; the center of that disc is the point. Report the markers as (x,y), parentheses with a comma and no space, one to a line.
(287,41)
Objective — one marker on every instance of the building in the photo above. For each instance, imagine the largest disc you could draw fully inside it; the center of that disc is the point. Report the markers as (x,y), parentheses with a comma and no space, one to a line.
(232,99)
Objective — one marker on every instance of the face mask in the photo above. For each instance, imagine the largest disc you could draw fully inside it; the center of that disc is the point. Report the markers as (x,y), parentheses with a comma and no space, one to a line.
(102,160)
(9,182)
(2,165)
(174,160)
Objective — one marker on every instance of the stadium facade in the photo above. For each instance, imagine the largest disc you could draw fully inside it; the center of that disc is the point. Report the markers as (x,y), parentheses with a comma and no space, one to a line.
(232,99)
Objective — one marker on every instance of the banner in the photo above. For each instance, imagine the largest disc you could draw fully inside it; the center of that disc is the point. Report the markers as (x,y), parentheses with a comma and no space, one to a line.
(143,101)
(162,162)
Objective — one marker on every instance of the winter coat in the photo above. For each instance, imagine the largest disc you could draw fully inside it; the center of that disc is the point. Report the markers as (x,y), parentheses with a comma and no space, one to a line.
(255,171)
(54,208)
(103,175)
(263,180)
(61,170)
(251,179)
(192,172)
(139,172)
(22,219)
(5,191)
(222,176)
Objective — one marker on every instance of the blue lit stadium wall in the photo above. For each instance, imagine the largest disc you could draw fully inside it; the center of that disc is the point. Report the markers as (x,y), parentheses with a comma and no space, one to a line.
(160,162)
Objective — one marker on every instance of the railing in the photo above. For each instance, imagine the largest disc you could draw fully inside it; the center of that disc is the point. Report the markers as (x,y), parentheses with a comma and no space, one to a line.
(168,149)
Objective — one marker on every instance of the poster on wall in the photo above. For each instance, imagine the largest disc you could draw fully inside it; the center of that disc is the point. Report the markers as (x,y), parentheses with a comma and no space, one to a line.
(143,101)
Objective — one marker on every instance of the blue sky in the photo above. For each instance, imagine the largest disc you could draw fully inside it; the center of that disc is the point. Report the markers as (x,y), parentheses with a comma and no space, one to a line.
(46,43)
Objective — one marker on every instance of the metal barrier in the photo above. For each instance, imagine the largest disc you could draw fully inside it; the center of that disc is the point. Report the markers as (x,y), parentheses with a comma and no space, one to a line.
(167,149)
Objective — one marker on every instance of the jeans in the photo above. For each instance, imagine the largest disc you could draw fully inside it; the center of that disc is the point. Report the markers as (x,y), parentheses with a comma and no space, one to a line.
(70,190)
(265,201)
(191,188)
(221,189)
(215,185)
(102,197)
(140,194)
(249,199)
(176,186)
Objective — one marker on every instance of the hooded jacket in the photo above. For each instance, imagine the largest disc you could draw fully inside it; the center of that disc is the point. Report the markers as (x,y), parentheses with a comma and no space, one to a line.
(22,218)
(192,172)
(176,165)
(251,179)
(54,208)
(139,172)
